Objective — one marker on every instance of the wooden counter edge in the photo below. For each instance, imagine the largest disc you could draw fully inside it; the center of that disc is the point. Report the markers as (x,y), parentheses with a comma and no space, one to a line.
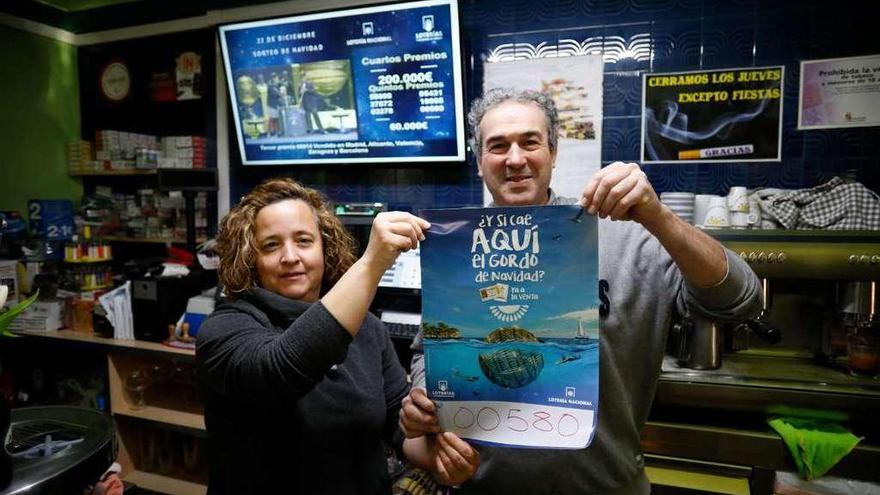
(73,336)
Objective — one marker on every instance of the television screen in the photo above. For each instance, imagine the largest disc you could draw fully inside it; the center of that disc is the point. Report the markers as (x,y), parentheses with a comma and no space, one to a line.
(375,84)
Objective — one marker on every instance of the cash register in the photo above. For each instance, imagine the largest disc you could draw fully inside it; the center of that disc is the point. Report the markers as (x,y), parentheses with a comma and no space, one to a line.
(399,296)
(398,303)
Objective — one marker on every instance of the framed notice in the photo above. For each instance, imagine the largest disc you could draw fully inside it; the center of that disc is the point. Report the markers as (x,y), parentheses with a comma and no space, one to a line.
(839,92)
(511,325)
(725,115)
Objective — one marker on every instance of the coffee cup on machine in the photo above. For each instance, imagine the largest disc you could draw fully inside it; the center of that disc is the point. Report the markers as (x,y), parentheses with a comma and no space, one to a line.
(738,199)
(701,207)
(739,220)
(698,343)
(754,212)
(718,215)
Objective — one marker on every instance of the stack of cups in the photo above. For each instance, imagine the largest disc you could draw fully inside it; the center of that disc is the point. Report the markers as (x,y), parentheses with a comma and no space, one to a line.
(681,203)
(738,204)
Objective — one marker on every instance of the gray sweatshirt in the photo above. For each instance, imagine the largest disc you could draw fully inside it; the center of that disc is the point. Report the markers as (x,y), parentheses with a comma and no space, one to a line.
(640,288)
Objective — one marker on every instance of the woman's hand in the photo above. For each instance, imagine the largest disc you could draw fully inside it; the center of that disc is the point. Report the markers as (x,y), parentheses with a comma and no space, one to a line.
(393,232)
(455,460)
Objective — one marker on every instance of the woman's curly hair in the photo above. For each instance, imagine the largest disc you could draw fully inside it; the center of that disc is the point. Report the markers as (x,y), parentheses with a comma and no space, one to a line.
(236,242)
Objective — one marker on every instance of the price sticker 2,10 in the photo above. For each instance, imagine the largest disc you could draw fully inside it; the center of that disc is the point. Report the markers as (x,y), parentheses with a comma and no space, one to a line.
(51,219)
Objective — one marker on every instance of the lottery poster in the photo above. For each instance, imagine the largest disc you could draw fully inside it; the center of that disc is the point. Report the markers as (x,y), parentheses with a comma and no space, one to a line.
(510,320)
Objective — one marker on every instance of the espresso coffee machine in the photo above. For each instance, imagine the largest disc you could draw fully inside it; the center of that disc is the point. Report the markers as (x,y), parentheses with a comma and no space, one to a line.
(817,287)
(809,353)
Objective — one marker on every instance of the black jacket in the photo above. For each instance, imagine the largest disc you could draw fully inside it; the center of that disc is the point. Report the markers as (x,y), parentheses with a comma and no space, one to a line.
(293,404)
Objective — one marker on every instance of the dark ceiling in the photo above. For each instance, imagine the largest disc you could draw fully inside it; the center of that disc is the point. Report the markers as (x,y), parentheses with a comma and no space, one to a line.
(83,16)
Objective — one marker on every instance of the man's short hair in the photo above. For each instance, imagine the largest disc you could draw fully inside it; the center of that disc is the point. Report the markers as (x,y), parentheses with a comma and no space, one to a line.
(497,96)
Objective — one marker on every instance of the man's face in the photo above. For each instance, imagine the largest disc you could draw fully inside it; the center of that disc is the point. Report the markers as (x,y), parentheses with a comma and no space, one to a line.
(516,162)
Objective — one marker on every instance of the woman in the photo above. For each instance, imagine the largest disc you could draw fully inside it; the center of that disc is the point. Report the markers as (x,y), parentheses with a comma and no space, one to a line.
(300,382)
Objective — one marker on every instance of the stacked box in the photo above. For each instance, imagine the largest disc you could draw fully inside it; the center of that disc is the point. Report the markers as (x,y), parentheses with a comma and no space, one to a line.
(146,158)
(183,152)
(79,156)
(119,149)
(153,214)
(106,140)
(42,316)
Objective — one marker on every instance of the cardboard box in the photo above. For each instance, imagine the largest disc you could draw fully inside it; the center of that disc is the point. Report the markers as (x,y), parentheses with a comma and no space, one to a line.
(43,316)
(9,278)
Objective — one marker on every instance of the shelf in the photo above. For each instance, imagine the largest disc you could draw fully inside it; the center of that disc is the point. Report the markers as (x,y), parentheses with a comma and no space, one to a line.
(70,335)
(182,415)
(87,261)
(160,415)
(168,179)
(164,484)
(784,235)
(134,171)
(94,288)
(149,240)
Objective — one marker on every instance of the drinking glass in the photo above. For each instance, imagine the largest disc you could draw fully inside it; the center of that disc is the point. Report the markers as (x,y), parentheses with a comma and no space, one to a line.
(136,384)
(863,350)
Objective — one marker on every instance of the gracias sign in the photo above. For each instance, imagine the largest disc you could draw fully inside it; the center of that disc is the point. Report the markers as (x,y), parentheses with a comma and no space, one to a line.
(718,115)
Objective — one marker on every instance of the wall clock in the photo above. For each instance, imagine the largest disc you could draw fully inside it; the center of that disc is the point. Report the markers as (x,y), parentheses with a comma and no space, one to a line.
(115,81)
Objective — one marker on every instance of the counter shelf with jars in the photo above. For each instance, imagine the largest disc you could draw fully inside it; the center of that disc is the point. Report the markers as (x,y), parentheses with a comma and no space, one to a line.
(158,415)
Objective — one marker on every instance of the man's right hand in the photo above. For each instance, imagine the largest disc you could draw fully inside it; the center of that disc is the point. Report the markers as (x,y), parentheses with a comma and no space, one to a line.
(418,415)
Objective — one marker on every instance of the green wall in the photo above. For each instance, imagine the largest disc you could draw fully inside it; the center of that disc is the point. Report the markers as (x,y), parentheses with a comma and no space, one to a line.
(39,98)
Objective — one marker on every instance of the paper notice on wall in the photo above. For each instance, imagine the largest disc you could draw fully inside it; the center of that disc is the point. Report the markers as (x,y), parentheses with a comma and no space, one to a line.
(575,84)
(839,92)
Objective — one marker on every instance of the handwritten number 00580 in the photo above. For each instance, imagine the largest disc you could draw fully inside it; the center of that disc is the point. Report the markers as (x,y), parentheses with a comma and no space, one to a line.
(488,419)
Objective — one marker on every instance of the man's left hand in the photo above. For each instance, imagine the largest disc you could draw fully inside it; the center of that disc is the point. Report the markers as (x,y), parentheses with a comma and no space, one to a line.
(621,191)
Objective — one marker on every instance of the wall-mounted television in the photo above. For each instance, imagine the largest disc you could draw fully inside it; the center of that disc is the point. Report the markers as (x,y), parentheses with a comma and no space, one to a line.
(379,84)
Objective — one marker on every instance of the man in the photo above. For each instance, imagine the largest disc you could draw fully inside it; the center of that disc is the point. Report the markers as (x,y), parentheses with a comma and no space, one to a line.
(650,265)
(311,102)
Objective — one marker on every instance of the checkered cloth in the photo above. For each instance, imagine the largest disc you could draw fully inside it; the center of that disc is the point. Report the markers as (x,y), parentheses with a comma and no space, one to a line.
(835,205)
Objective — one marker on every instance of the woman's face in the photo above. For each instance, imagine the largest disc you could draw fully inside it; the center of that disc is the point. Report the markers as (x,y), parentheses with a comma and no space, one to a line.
(290,258)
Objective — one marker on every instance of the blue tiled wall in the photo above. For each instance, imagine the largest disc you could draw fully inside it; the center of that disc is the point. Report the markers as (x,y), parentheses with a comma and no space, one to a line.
(682,35)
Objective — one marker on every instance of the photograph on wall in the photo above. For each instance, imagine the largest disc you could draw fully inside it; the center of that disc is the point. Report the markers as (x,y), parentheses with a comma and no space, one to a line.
(839,92)
(725,115)
(575,84)
(298,102)
(510,319)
